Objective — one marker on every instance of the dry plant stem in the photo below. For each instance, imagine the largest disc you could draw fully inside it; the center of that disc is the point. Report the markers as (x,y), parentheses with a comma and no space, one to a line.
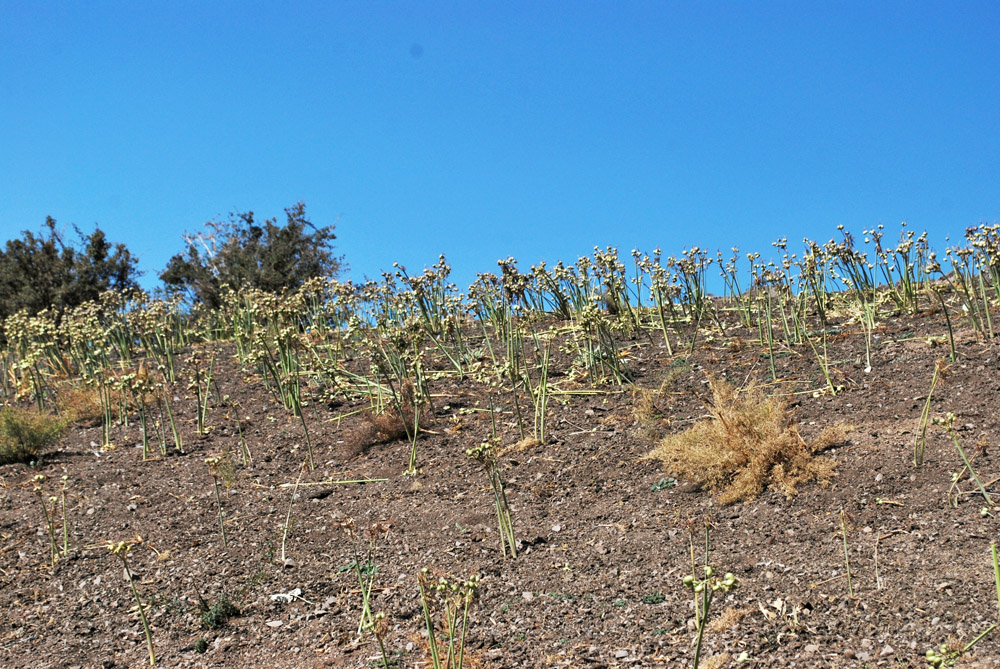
(411,468)
(222,520)
(65,548)
(996,575)
(244,449)
(142,612)
(847,556)
(50,528)
(288,516)
(925,417)
(968,465)
(178,443)
(823,360)
(947,320)
(305,430)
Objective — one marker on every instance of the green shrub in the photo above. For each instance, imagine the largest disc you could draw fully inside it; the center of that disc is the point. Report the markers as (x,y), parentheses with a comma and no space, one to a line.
(47,272)
(25,433)
(214,616)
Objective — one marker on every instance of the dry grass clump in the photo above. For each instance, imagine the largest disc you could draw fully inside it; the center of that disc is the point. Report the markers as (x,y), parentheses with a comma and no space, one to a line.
(748,443)
(381,428)
(25,433)
(81,403)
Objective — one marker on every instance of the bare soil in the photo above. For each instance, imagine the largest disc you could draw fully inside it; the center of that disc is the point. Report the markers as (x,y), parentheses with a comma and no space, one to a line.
(605,538)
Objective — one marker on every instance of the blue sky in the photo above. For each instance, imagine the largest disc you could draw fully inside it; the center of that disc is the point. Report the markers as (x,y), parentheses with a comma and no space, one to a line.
(487,129)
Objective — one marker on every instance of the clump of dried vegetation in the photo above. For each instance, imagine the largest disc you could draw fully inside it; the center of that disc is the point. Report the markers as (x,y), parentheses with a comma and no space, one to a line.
(747,443)
(81,403)
(389,424)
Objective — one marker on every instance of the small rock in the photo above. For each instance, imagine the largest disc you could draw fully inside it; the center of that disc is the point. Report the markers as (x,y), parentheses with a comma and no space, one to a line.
(274,623)
(556,528)
(621,654)
(527,596)
(887,650)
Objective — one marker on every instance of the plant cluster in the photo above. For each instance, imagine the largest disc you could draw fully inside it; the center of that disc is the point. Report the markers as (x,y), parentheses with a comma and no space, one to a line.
(748,442)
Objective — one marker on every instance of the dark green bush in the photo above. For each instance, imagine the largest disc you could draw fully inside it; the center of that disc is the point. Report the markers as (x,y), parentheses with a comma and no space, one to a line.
(243,253)
(43,271)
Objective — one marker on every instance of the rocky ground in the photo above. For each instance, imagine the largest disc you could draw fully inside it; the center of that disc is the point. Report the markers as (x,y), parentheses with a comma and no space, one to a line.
(605,536)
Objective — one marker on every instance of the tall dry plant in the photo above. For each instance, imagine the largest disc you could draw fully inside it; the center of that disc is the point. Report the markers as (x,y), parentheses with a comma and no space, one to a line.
(747,443)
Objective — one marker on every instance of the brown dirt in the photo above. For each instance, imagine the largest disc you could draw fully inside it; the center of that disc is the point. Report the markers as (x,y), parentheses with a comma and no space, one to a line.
(602,549)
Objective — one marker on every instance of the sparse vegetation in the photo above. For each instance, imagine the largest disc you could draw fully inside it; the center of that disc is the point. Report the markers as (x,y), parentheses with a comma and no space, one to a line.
(216,614)
(563,375)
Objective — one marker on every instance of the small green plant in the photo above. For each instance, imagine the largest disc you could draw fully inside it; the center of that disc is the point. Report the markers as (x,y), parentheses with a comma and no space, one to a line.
(121,549)
(49,516)
(451,599)
(220,468)
(664,483)
(704,590)
(25,433)
(365,569)
(214,616)
(947,654)
(363,564)
(947,423)
(201,646)
(485,454)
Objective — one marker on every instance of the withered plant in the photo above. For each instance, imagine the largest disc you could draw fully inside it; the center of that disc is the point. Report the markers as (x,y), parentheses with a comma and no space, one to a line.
(748,442)
(391,424)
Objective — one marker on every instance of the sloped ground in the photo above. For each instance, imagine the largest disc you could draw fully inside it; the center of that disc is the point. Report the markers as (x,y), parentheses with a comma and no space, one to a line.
(604,544)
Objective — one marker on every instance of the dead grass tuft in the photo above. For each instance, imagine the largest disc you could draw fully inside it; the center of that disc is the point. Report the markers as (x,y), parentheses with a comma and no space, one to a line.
(716,661)
(730,617)
(747,443)
(386,426)
(81,403)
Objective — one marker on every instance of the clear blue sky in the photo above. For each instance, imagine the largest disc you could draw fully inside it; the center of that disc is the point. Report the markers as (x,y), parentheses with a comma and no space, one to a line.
(486,129)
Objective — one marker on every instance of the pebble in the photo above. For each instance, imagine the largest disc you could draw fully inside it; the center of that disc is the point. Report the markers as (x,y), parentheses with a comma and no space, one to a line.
(274,623)
(621,654)
(527,596)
